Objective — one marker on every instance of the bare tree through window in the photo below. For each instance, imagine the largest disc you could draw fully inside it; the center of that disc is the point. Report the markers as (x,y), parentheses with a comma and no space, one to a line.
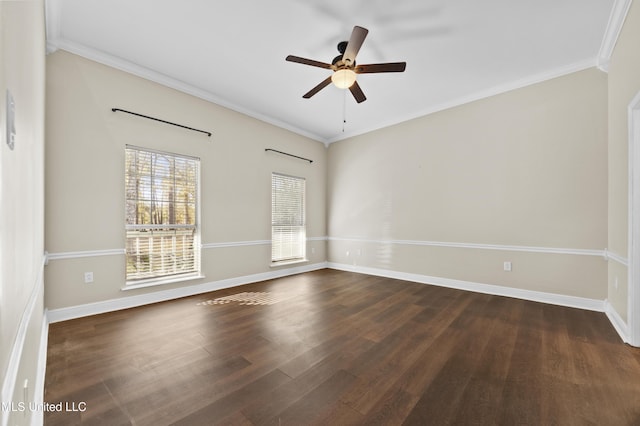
(161,192)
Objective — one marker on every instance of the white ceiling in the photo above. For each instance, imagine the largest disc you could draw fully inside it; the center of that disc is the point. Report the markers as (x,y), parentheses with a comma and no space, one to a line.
(232,52)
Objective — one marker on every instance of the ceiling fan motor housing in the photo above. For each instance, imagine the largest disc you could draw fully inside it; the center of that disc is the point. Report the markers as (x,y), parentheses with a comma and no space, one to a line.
(337,62)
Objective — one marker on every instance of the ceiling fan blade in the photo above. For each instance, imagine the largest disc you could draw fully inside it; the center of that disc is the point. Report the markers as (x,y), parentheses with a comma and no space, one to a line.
(311,62)
(357,93)
(386,67)
(353,46)
(316,89)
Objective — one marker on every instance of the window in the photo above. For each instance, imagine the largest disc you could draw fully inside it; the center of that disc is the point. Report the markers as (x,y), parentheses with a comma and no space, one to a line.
(288,232)
(161,215)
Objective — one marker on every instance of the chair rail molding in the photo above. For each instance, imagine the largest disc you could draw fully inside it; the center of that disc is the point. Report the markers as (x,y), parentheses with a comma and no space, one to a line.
(503,247)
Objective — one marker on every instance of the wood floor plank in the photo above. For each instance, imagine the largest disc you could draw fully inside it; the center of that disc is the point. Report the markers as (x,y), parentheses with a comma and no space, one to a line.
(346,349)
(484,391)
(291,392)
(524,395)
(392,408)
(259,389)
(301,363)
(442,399)
(319,404)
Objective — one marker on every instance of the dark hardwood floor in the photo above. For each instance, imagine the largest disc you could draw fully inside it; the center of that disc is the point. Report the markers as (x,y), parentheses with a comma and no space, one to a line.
(338,348)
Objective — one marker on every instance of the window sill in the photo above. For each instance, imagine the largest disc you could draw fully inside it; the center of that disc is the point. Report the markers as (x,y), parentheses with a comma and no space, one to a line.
(288,262)
(152,282)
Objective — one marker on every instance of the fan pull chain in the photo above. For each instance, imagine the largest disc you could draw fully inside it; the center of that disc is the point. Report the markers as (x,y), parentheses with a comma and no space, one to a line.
(344,109)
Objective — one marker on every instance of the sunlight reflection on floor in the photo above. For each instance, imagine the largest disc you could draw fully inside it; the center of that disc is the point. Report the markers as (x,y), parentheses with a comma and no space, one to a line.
(247,298)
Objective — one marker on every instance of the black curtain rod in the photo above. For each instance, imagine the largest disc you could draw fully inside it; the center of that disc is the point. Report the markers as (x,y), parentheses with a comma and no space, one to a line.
(162,121)
(290,155)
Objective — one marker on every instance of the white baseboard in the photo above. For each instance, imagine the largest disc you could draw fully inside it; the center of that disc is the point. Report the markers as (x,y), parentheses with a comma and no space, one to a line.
(37,416)
(63,314)
(15,357)
(535,296)
(616,320)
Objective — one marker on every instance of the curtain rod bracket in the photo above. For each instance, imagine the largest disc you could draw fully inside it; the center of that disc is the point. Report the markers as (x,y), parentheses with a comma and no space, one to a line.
(162,121)
(290,155)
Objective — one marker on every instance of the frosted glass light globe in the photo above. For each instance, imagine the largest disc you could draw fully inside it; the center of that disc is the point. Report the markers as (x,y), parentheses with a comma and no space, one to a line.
(344,78)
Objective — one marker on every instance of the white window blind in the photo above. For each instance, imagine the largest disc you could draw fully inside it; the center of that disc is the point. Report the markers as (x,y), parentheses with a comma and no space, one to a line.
(288,230)
(161,214)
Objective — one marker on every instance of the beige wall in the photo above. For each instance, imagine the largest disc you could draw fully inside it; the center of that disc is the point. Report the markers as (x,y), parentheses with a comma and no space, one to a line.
(22,71)
(527,168)
(624,84)
(524,168)
(85,176)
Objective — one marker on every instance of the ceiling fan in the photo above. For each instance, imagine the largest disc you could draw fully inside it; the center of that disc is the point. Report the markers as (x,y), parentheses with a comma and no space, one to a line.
(344,66)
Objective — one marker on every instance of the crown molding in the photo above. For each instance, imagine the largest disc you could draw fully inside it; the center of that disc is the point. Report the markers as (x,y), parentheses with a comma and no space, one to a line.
(103,58)
(52,23)
(614,26)
(54,44)
(482,94)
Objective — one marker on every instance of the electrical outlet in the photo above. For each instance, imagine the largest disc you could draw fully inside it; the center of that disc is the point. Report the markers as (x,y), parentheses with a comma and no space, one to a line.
(313,250)
(348,253)
(88,277)
(507,266)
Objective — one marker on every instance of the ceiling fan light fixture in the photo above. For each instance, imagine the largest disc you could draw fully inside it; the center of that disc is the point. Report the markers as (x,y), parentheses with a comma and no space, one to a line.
(344,78)
(344,66)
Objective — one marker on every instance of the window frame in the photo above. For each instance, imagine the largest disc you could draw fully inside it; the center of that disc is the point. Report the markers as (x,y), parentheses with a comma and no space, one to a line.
(277,261)
(194,272)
